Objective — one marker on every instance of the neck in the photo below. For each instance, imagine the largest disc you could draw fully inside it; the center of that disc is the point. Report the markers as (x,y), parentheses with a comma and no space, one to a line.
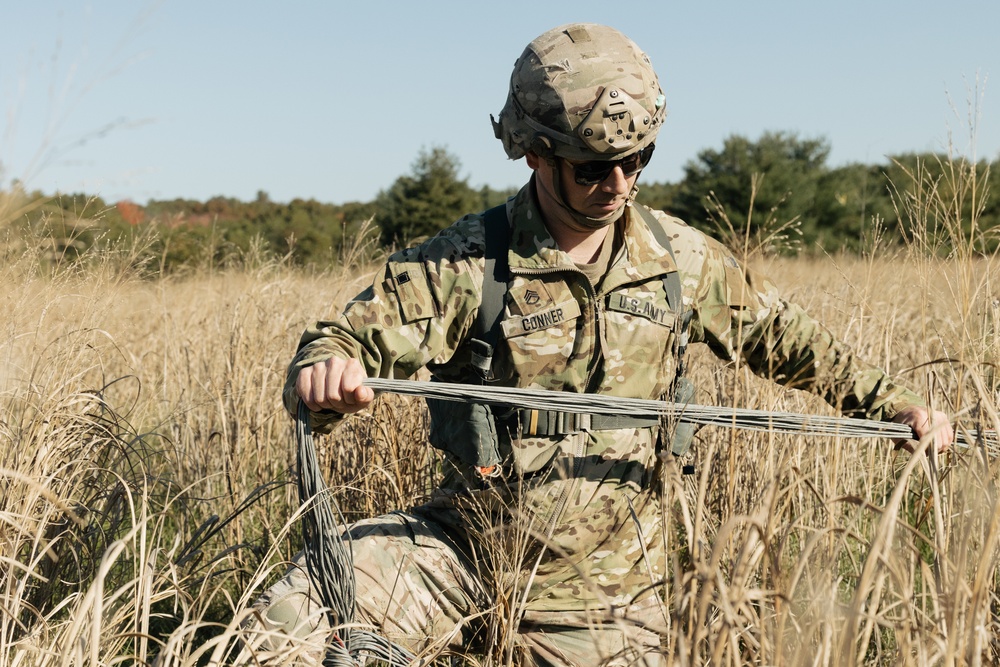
(582,245)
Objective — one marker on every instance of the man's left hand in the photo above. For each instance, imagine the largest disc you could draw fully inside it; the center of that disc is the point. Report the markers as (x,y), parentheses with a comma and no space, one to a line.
(926,422)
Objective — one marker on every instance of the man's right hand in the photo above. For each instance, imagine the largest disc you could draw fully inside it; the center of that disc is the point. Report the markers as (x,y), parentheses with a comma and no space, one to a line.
(334,384)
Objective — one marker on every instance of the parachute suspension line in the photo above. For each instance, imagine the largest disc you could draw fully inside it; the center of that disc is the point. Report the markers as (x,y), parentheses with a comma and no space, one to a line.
(327,551)
(738,418)
(331,564)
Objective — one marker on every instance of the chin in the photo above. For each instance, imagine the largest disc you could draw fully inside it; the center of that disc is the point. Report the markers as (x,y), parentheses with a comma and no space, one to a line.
(603,210)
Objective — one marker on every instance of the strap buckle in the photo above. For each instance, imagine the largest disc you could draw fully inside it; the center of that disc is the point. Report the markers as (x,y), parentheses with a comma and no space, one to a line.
(482,359)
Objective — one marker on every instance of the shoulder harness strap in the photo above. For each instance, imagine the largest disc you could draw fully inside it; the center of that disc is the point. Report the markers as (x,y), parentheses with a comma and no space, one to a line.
(671,285)
(495,278)
(682,389)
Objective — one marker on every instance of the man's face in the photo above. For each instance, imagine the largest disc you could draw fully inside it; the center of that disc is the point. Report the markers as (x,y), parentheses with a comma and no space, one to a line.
(597,200)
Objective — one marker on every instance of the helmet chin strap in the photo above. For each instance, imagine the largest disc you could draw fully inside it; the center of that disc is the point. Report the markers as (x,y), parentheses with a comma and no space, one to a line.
(581,222)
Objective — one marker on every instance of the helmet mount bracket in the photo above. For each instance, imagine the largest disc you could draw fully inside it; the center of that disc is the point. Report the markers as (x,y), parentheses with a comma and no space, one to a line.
(616,123)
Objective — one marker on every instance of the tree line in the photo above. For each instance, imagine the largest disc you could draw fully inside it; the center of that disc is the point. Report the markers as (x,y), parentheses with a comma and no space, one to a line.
(776,193)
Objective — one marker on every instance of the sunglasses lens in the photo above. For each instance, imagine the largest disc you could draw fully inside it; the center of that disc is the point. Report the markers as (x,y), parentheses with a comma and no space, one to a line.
(643,158)
(589,173)
(594,172)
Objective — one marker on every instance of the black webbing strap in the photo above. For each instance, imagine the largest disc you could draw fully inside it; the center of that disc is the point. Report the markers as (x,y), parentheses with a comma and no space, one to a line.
(671,285)
(681,389)
(671,281)
(548,423)
(495,276)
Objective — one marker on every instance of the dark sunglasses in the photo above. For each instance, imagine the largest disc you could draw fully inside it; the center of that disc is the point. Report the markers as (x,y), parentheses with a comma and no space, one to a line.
(595,171)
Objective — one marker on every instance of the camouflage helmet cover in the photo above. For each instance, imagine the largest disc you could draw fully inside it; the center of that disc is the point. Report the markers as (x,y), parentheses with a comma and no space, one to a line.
(581,91)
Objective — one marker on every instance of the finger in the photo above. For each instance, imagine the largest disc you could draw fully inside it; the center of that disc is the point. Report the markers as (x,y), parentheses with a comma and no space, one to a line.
(331,385)
(356,395)
(947,431)
(303,384)
(304,387)
(321,397)
(945,440)
(349,385)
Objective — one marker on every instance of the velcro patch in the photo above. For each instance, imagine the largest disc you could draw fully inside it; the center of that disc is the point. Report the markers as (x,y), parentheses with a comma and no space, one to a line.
(648,308)
(528,296)
(519,325)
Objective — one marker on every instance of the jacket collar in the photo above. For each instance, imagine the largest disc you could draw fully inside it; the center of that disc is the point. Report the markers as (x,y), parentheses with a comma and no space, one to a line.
(532,247)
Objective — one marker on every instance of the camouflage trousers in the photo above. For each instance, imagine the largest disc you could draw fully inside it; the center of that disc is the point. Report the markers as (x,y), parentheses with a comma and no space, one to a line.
(415,587)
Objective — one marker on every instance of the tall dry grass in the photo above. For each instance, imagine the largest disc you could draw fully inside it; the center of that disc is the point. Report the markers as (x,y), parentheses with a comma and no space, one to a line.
(145,459)
(146,464)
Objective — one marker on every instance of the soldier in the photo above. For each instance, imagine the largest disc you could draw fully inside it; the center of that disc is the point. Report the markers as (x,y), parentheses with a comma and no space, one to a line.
(548,518)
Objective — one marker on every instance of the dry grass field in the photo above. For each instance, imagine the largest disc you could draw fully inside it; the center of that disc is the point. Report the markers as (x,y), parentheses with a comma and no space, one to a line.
(146,468)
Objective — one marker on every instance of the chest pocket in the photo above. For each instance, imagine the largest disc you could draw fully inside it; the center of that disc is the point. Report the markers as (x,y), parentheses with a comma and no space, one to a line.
(554,316)
(639,328)
(541,326)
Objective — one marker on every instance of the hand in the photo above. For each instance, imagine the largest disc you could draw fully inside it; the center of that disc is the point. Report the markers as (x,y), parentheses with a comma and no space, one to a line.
(926,422)
(334,384)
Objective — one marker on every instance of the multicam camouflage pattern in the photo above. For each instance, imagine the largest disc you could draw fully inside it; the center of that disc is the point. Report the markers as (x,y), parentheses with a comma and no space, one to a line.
(429,595)
(575,494)
(417,589)
(581,91)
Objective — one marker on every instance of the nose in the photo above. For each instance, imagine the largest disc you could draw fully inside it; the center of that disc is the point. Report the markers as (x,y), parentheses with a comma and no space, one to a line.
(615,182)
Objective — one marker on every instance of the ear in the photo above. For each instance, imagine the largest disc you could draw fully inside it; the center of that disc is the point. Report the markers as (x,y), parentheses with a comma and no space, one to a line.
(532,160)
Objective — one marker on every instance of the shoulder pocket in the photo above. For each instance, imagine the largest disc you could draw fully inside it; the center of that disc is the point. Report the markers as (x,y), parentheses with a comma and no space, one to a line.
(738,292)
(409,282)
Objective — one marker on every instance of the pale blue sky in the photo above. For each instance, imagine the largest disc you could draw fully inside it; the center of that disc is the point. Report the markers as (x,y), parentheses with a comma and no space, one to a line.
(333,100)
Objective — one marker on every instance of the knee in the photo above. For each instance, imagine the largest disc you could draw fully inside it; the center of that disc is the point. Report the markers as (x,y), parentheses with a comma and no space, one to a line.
(288,609)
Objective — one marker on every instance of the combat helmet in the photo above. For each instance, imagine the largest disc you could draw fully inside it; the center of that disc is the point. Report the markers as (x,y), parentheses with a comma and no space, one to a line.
(581,91)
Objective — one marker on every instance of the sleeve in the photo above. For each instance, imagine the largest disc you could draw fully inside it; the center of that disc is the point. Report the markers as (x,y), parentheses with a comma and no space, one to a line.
(416,314)
(739,313)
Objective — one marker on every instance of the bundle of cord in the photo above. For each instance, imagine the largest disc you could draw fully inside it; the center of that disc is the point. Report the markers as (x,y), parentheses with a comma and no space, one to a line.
(330,563)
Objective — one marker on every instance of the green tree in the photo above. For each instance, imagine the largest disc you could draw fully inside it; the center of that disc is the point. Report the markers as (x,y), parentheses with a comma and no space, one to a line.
(661,196)
(490,197)
(784,170)
(425,201)
(849,200)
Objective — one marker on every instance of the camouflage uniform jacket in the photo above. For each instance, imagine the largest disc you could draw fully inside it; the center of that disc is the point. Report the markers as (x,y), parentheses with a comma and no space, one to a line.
(559,333)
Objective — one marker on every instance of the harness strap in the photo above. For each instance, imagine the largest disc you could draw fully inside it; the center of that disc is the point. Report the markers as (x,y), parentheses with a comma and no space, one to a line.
(681,389)
(671,284)
(495,276)
(532,423)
